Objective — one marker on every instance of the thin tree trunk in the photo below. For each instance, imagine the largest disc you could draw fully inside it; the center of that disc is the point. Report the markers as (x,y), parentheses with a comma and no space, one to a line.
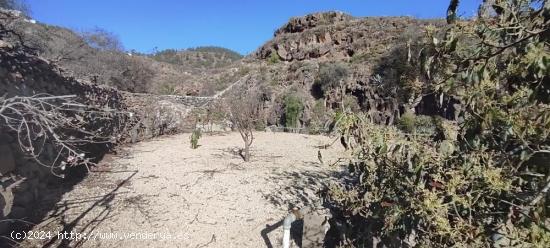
(248,137)
(246,152)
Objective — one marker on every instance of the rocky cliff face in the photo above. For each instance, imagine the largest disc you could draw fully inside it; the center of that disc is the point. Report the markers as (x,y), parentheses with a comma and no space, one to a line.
(301,24)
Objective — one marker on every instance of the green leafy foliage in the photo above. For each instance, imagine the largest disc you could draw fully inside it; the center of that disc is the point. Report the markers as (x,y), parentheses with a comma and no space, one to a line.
(168,89)
(407,122)
(273,58)
(293,110)
(351,103)
(485,182)
(421,124)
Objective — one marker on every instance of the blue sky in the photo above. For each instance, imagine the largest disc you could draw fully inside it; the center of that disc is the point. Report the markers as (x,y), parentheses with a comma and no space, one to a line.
(241,25)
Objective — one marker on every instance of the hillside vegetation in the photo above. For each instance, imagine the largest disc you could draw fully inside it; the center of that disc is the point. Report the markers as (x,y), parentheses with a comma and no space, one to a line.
(198,58)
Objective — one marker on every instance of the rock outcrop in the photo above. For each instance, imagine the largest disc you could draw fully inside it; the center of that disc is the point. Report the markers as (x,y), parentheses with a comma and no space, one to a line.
(293,59)
(335,35)
(300,24)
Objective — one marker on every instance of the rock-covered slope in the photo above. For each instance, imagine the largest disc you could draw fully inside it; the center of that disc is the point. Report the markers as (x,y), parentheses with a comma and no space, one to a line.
(362,48)
(336,35)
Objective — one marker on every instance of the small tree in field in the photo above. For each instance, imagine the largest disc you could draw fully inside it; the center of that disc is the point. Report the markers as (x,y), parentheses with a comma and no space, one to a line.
(244,113)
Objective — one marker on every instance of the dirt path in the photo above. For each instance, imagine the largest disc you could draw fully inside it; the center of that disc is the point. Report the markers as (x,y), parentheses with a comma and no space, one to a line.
(161,193)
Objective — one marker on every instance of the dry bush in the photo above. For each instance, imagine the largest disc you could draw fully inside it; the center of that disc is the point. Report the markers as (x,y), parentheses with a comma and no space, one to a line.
(244,112)
(102,39)
(331,75)
(42,122)
(136,74)
(95,54)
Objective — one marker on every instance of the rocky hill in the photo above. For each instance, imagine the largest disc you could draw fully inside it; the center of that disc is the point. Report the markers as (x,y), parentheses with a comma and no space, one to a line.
(199,58)
(351,55)
(311,49)
(336,35)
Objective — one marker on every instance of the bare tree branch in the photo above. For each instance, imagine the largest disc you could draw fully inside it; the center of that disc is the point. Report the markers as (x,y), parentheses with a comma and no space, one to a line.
(57,121)
(244,113)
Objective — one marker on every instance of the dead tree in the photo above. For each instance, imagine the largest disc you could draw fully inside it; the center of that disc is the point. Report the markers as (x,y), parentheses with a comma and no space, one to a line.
(244,113)
(59,122)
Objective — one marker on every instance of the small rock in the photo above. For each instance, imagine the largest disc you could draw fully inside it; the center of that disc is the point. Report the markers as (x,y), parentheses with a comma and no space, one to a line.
(4,44)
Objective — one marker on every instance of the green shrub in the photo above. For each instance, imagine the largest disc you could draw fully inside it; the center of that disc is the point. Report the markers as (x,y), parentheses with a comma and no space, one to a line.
(351,103)
(486,184)
(407,122)
(293,110)
(168,89)
(195,136)
(418,124)
(426,125)
(273,58)
(358,58)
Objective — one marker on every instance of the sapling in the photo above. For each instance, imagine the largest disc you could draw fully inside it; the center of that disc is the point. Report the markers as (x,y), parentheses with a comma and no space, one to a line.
(195,136)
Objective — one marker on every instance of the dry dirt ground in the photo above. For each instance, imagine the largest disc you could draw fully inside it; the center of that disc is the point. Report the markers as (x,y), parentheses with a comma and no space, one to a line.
(162,193)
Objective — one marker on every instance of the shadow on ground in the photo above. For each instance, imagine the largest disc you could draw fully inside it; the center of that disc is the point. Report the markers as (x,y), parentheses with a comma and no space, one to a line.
(102,201)
(300,188)
(50,208)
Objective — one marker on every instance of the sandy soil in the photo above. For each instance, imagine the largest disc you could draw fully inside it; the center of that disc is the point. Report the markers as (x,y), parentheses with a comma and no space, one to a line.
(162,193)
